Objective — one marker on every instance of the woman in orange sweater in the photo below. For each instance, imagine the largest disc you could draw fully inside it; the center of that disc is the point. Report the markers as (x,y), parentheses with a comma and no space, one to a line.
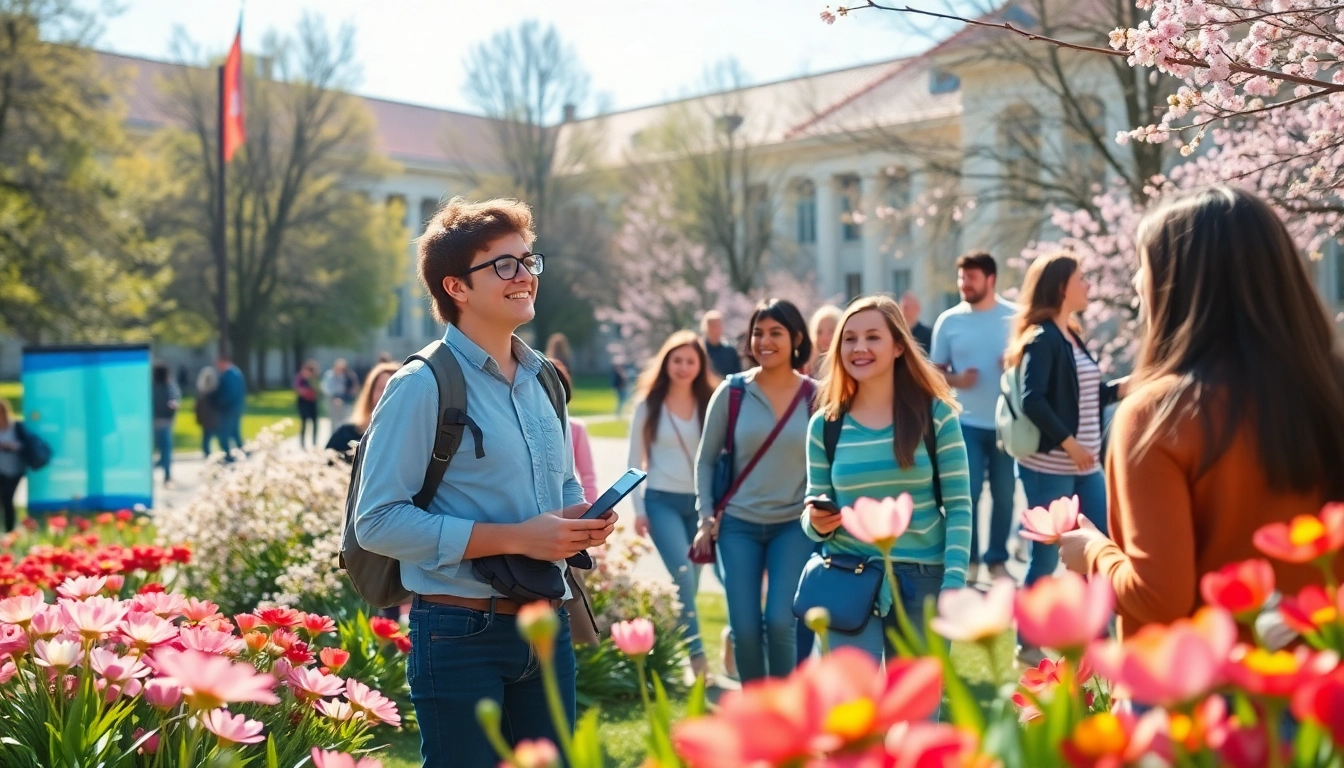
(1235,416)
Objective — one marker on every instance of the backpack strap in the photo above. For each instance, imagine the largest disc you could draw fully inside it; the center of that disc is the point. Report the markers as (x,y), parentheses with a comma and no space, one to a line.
(737,389)
(555,390)
(453,417)
(830,437)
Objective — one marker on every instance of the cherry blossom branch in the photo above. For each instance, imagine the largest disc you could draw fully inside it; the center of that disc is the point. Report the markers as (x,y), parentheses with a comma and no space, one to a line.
(1325,86)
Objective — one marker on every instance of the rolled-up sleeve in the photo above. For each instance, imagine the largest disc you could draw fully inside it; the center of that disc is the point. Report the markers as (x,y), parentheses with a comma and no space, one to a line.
(396,453)
(711,443)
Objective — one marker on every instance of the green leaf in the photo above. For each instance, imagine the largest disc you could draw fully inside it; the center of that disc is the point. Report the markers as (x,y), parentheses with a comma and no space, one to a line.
(965,710)
(695,701)
(587,745)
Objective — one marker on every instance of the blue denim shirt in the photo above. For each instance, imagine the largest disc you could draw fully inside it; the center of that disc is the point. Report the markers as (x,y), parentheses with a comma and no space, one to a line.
(528,467)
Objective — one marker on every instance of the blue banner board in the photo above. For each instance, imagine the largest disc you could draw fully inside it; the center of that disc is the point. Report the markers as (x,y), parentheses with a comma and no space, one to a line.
(92,405)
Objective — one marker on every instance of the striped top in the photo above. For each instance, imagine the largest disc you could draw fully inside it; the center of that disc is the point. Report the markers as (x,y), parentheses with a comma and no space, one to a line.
(1057,461)
(865,465)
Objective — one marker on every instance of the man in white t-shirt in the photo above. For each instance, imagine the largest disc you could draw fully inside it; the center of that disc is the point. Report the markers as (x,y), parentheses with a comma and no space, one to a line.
(969,341)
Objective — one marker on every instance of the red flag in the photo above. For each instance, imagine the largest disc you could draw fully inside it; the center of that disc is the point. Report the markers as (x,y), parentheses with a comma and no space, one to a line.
(232,104)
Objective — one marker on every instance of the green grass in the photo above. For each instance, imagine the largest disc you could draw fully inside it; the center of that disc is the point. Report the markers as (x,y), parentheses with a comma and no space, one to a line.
(593,396)
(610,428)
(263,409)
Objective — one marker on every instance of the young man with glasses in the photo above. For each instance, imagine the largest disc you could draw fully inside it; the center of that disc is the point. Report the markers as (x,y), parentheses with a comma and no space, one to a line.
(520,498)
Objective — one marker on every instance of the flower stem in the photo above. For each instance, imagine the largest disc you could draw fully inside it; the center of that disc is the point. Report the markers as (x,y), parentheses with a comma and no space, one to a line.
(1273,718)
(911,639)
(643,686)
(558,717)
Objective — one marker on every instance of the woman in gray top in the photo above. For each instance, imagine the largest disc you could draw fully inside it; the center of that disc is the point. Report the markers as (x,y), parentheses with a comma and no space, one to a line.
(758,536)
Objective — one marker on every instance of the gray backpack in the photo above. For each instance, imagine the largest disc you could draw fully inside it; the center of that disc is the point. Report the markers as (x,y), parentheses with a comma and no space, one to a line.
(377,578)
(1018,436)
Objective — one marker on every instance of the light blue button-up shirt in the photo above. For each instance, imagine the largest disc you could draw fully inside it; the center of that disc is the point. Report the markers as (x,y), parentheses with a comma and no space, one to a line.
(528,467)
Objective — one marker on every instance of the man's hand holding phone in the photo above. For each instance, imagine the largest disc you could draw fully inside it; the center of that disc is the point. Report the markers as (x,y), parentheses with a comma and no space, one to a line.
(823,514)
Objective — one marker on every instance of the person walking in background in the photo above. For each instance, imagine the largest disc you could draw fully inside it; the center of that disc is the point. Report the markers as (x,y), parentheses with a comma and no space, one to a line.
(968,345)
(340,387)
(672,398)
(584,466)
(619,384)
(305,392)
(723,358)
(164,398)
(207,412)
(346,435)
(821,327)
(890,405)
(183,379)
(910,310)
(1234,419)
(558,350)
(754,528)
(12,464)
(230,400)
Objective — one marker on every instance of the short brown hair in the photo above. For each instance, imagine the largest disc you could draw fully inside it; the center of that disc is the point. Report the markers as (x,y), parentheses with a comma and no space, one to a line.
(981,260)
(455,234)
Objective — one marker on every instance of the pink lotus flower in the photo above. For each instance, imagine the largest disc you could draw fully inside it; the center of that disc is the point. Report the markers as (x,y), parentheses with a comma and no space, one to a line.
(12,640)
(1046,525)
(315,624)
(116,668)
(878,523)
(1065,611)
(58,655)
(1169,665)
(826,705)
(197,611)
(163,693)
(80,587)
(209,682)
(322,759)
(375,707)
(93,618)
(337,710)
(236,729)
(309,684)
(536,753)
(634,637)
(21,609)
(165,605)
(209,641)
(969,616)
(143,631)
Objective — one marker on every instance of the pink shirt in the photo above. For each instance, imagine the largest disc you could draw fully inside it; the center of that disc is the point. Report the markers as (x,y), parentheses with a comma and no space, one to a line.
(583,460)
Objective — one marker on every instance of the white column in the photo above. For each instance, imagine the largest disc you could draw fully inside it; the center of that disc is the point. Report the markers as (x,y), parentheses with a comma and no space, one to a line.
(874,252)
(828,235)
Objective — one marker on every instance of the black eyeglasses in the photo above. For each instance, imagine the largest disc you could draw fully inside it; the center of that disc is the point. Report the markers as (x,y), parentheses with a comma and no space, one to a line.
(507,266)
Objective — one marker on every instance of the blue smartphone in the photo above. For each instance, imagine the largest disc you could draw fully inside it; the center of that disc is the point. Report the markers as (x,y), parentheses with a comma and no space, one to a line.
(622,488)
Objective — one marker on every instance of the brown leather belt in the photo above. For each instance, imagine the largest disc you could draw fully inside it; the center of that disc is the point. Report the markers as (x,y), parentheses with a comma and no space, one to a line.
(500,605)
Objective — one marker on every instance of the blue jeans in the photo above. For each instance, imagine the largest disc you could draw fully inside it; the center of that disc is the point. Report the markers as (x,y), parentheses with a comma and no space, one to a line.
(207,436)
(230,431)
(984,458)
(917,583)
(163,443)
(672,524)
(1042,488)
(764,641)
(460,656)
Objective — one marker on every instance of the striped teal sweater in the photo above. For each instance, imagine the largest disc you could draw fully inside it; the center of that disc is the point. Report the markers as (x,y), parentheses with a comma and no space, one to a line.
(866,466)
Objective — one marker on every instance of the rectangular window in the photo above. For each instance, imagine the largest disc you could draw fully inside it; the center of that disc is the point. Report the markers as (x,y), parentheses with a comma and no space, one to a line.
(853,285)
(900,282)
(851,232)
(806,213)
(397,327)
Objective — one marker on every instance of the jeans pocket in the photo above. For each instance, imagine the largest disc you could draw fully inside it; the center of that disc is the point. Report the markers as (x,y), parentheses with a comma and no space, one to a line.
(449,624)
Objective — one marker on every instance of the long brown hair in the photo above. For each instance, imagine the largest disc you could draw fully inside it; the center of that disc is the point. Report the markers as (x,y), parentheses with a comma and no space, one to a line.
(654,383)
(1237,330)
(362,413)
(1042,299)
(916,381)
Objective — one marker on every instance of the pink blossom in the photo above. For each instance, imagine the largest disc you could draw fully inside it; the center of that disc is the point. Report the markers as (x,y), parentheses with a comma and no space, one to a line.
(57,654)
(966,615)
(1064,611)
(162,604)
(12,640)
(197,611)
(163,693)
(116,668)
(20,609)
(93,618)
(80,587)
(143,631)
(536,753)
(315,624)
(7,670)
(375,707)
(150,745)
(309,684)
(1047,525)
(210,681)
(210,641)
(232,729)
(337,710)
(827,16)
(879,523)
(324,759)
(634,637)
(47,623)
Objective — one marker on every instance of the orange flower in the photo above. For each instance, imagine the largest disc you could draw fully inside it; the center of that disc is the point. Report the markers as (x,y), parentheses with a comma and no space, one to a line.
(1305,538)
(1111,739)
(1242,588)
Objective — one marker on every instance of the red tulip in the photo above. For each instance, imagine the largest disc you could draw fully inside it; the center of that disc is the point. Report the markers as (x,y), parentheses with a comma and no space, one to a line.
(1241,588)
(1322,701)
(1065,611)
(1168,665)
(1306,538)
(1278,673)
(384,628)
(402,643)
(929,745)
(1309,611)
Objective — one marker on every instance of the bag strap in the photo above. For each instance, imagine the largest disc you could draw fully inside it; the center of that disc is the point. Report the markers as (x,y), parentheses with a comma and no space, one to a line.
(737,389)
(453,418)
(803,391)
(830,437)
(556,391)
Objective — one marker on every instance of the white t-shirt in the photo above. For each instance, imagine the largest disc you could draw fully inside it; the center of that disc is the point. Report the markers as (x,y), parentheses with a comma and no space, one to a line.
(671,462)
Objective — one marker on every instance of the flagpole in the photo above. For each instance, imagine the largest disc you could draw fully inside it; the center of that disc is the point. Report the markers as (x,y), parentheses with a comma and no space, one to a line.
(221,259)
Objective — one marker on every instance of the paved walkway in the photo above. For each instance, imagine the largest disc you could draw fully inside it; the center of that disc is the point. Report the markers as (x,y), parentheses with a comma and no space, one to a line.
(609,456)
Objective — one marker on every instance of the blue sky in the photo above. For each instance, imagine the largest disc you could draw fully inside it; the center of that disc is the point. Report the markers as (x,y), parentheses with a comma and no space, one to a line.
(636,51)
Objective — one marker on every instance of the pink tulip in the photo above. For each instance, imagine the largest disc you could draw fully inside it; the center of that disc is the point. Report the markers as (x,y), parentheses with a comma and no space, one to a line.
(634,637)
(236,729)
(878,522)
(93,618)
(7,670)
(1064,612)
(309,684)
(80,587)
(209,682)
(1046,525)
(115,582)
(375,707)
(21,609)
(969,616)
(1170,665)
(323,759)
(163,693)
(921,745)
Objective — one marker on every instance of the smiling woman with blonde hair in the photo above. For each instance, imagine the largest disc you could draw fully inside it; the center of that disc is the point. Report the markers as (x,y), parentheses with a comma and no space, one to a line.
(893,429)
